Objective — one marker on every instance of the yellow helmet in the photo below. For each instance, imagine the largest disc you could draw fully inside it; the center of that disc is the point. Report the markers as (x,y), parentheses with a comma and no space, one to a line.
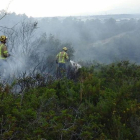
(3,38)
(65,49)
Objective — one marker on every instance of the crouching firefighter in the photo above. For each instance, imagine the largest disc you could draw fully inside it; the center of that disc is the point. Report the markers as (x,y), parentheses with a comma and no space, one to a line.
(3,52)
(61,58)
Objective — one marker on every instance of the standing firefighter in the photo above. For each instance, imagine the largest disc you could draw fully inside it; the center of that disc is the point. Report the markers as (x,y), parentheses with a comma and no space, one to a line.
(61,60)
(3,53)
(3,48)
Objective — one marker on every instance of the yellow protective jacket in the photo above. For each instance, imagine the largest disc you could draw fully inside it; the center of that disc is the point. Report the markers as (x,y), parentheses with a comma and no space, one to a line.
(3,51)
(62,56)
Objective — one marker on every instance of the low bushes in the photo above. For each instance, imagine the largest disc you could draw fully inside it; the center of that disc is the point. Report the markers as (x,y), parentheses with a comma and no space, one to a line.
(101,104)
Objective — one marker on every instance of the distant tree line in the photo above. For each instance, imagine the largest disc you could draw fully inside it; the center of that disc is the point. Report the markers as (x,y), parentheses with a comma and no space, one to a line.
(95,39)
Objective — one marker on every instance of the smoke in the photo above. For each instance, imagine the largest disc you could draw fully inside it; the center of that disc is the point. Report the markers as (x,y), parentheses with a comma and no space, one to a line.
(100,38)
(13,67)
(33,44)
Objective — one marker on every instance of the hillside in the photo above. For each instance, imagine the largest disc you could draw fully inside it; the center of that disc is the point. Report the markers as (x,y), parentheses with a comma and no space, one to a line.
(108,40)
(123,46)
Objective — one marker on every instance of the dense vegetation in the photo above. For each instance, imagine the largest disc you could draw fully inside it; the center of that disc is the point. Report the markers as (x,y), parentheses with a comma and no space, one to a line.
(100,102)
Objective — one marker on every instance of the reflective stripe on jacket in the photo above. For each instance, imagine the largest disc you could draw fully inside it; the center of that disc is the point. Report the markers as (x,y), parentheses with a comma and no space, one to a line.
(3,51)
(62,56)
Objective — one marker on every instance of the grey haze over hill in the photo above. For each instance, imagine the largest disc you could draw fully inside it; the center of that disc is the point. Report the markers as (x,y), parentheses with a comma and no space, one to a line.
(103,38)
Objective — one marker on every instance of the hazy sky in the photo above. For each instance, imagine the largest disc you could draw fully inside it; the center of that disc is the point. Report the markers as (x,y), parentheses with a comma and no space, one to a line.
(48,8)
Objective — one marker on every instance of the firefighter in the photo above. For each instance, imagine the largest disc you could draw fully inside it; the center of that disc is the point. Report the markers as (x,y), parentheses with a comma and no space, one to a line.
(61,58)
(3,55)
(3,49)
